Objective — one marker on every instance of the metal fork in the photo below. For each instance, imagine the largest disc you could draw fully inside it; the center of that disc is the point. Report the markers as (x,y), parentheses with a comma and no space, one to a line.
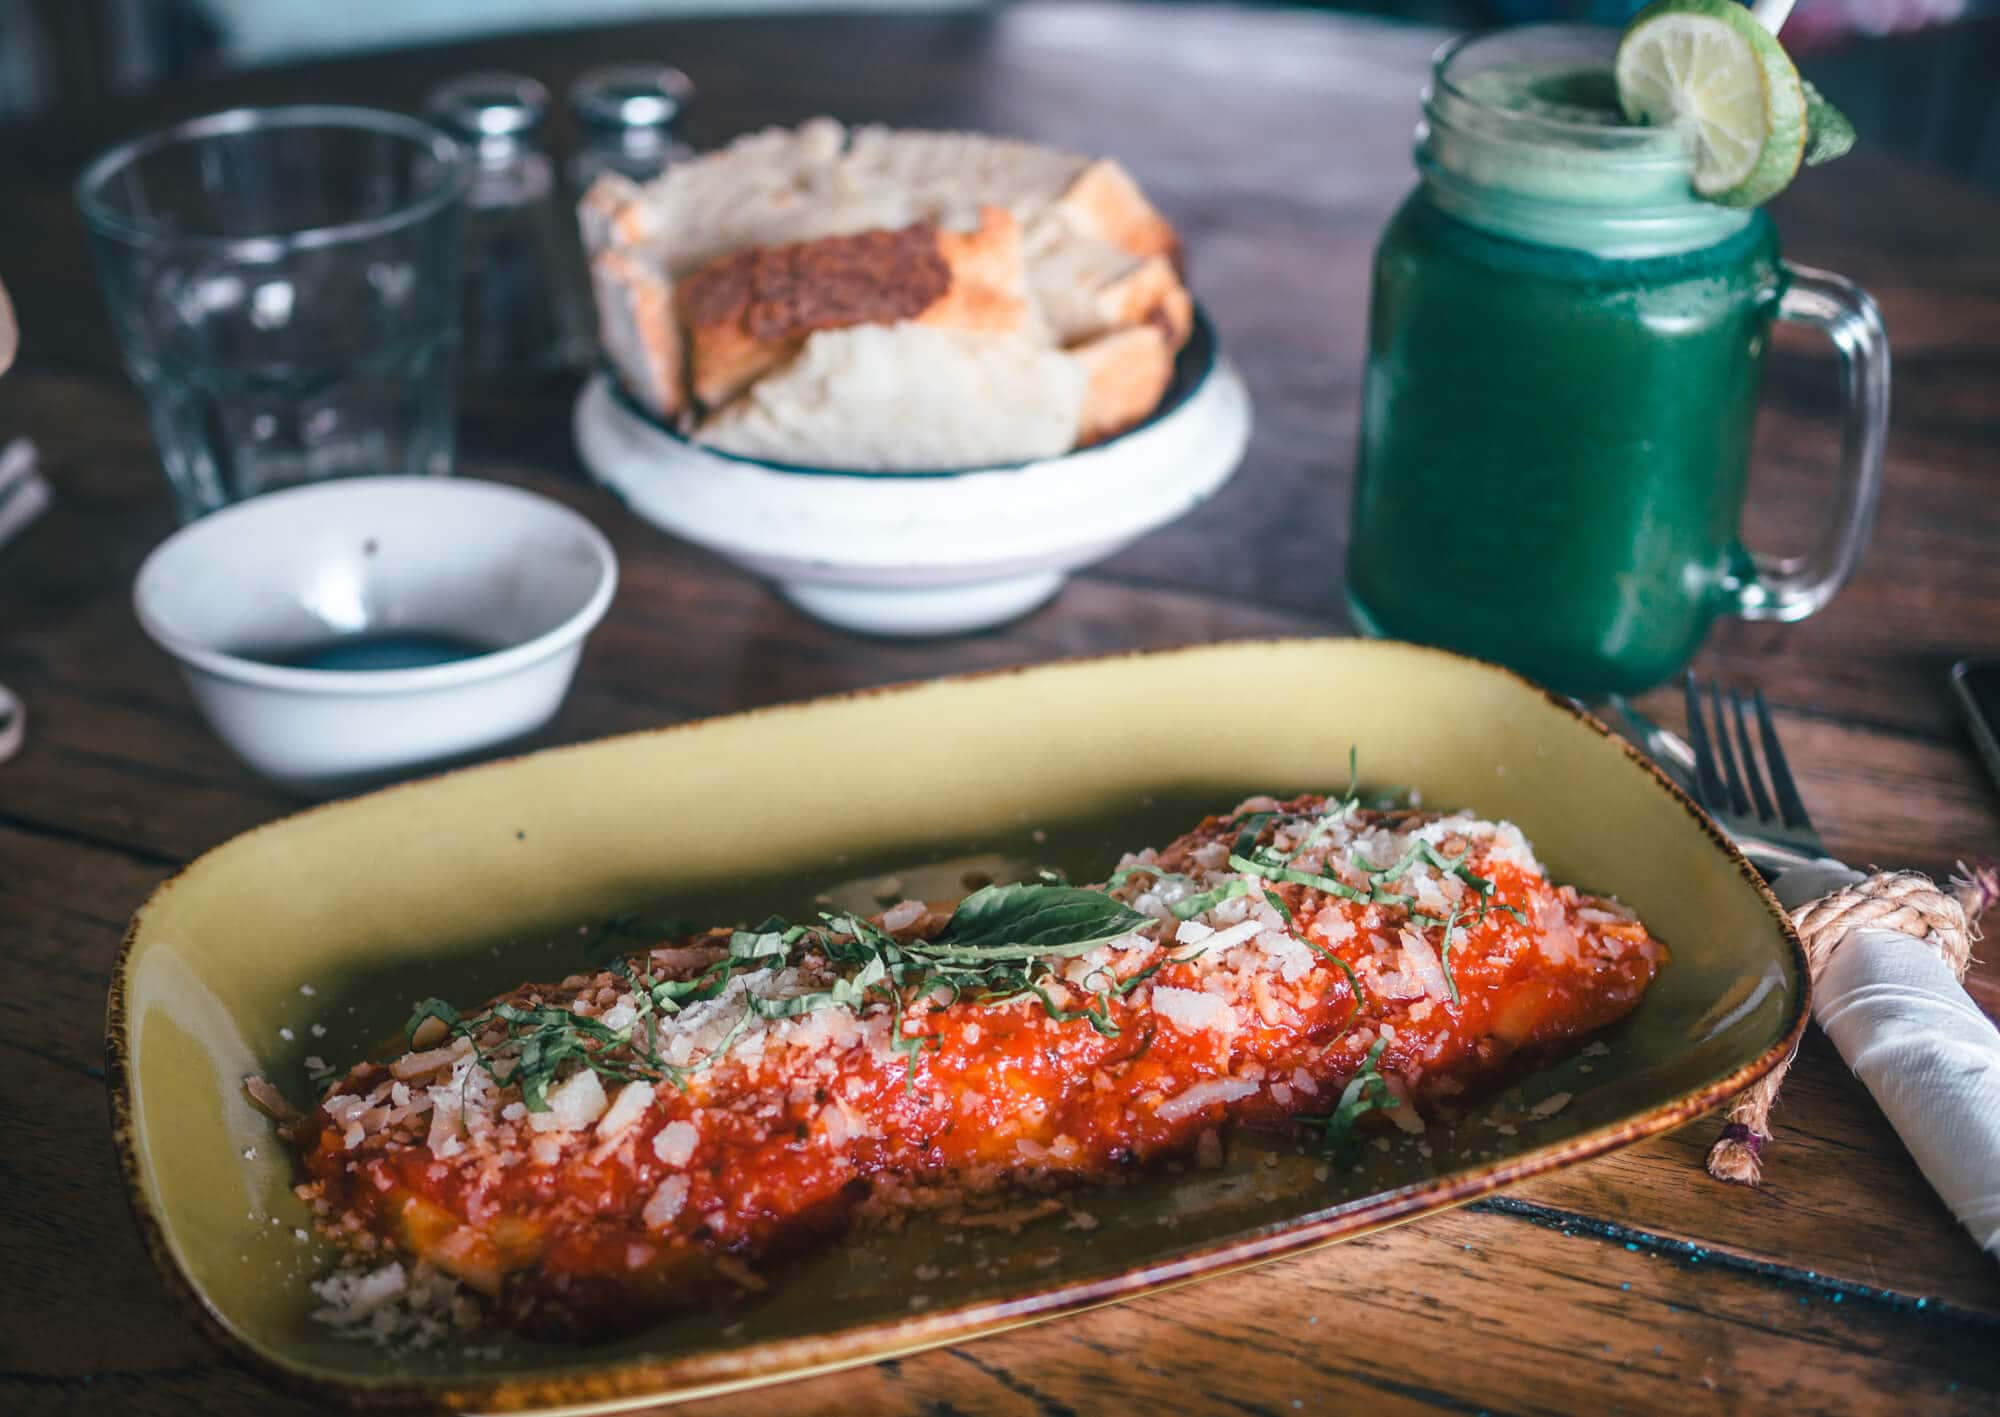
(1769,824)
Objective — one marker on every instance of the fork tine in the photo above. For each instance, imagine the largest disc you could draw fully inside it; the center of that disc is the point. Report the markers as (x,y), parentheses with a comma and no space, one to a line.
(1752,778)
(1708,783)
(1790,807)
(1738,802)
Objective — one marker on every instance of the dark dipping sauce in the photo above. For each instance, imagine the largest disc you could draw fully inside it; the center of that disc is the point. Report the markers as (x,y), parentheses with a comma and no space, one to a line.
(368,652)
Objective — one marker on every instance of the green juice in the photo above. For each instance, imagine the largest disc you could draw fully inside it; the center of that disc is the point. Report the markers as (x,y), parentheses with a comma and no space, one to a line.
(1564,352)
(1554,447)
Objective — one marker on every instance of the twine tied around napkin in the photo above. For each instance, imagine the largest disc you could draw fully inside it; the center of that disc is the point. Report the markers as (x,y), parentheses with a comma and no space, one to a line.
(1906,902)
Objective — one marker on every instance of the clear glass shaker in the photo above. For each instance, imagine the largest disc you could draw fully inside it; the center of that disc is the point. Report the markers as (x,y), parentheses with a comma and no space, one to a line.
(625,116)
(527,310)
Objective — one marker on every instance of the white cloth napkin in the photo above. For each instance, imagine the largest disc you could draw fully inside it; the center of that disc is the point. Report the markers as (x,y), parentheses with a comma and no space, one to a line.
(1922,1048)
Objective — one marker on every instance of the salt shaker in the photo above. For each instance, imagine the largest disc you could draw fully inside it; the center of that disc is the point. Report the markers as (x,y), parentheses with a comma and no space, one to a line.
(625,115)
(527,311)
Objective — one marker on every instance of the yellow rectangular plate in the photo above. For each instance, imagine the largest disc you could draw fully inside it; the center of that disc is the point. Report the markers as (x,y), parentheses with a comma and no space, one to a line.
(313,935)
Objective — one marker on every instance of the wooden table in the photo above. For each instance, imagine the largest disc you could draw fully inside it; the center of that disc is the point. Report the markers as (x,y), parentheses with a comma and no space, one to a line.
(1278,141)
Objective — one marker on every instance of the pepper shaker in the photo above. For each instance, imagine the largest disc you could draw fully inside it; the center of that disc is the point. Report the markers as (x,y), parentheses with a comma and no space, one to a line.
(625,116)
(527,310)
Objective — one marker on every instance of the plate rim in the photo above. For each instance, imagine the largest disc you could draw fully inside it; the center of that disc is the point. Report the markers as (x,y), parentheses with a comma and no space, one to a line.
(636,1381)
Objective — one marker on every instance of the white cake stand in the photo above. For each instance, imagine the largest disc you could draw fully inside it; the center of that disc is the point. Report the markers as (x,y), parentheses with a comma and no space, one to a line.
(921,553)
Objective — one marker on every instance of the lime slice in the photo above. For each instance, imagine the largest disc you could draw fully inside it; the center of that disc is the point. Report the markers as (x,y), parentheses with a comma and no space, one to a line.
(1710,69)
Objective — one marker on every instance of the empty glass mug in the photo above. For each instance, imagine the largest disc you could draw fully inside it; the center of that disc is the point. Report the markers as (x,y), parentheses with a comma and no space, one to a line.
(1564,351)
(284,286)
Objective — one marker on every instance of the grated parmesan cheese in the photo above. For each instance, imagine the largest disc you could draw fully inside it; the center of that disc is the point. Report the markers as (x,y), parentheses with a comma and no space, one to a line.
(628,1107)
(675,1143)
(1233,936)
(1191,1010)
(1191,932)
(1204,1095)
(1420,962)
(573,1105)
(666,1203)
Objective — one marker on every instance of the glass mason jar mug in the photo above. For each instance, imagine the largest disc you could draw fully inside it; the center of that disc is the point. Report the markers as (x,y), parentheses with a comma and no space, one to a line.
(1564,351)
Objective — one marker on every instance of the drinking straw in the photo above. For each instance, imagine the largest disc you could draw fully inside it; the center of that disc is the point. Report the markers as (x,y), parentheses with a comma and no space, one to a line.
(1772,14)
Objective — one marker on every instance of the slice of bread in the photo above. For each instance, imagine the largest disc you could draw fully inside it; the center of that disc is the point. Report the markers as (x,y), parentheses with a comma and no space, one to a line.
(1086,287)
(1104,201)
(989,279)
(1126,372)
(949,175)
(636,326)
(767,189)
(749,312)
(616,212)
(907,397)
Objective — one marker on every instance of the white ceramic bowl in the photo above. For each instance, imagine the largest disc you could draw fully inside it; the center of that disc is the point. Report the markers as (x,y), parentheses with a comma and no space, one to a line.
(289,572)
(927,553)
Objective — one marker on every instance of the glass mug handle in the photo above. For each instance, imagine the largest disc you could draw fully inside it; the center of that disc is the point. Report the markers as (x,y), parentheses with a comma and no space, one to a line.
(1793,587)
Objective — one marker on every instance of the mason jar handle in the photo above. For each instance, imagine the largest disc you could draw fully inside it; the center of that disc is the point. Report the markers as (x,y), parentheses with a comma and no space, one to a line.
(1793,587)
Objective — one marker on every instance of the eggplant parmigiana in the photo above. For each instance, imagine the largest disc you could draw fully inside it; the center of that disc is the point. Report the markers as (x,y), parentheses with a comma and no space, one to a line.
(592,1154)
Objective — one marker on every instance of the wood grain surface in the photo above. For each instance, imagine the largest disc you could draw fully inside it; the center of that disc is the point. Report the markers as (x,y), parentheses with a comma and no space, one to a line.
(1278,142)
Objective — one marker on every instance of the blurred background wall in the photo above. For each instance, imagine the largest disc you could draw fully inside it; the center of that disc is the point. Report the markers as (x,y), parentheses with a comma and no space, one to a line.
(1921,77)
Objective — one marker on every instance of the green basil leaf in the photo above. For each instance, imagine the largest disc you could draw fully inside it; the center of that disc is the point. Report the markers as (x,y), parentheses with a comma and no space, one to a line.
(1023,922)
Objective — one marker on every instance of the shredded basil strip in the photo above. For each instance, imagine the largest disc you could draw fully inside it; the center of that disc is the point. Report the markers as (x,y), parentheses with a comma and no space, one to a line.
(1423,851)
(1292,875)
(1188,906)
(1124,874)
(1191,906)
(1353,981)
(428,1009)
(1444,954)
(1367,1091)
